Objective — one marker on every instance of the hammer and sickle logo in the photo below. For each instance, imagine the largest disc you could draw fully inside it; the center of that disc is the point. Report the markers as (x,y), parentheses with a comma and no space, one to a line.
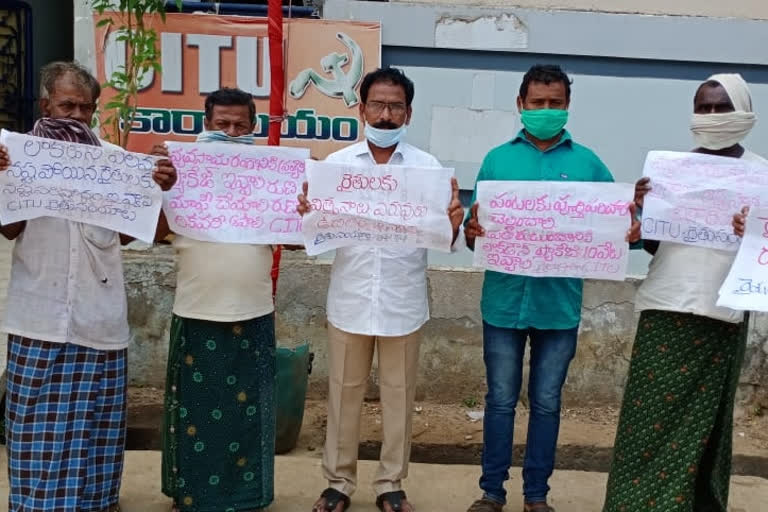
(343,84)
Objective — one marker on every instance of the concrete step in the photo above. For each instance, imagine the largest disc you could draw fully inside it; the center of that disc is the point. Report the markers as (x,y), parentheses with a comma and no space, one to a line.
(575,452)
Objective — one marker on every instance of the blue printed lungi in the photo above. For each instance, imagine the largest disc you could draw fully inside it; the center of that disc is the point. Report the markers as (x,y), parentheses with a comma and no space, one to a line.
(65,419)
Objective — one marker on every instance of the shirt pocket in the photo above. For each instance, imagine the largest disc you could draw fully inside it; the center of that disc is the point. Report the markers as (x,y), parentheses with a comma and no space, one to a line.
(99,237)
(551,171)
(102,248)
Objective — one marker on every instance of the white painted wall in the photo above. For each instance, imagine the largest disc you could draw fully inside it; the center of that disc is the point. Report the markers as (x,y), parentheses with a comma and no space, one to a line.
(570,32)
(458,115)
(750,9)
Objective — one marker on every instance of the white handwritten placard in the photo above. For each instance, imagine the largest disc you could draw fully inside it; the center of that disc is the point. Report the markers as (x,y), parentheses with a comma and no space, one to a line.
(96,185)
(382,205)
(694,197)
(746,287)
(554,228)
(236,193)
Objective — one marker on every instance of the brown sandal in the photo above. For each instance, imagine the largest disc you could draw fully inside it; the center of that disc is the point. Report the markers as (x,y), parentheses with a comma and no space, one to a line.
(394,499)
(485,505)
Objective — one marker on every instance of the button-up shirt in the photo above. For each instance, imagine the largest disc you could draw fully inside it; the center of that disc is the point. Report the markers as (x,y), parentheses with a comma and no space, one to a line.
(67,286)
(520,302)
(379,291)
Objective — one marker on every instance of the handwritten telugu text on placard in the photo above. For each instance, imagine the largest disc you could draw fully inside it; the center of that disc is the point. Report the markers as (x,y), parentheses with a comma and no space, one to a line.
(96,185)
(382,205)
(694,197)
(746,287)
(236,193)
(553,228)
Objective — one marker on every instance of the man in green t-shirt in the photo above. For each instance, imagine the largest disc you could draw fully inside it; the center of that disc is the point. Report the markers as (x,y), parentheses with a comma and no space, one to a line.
(544,310)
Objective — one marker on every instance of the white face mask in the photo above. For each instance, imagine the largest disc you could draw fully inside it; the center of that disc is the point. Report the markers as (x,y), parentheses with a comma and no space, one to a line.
(720,131)
(383,138)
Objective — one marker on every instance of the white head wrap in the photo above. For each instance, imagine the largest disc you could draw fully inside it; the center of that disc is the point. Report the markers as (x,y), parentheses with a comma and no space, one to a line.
(720,131)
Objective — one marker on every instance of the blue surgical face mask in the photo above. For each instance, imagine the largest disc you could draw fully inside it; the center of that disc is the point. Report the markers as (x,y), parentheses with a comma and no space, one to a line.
(383,138)
(219,136)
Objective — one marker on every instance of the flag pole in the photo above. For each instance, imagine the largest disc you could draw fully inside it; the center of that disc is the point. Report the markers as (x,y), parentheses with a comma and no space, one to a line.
(276,95)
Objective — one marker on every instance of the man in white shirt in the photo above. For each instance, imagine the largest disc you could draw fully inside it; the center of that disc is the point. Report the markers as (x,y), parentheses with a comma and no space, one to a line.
(68,332)
(377,298)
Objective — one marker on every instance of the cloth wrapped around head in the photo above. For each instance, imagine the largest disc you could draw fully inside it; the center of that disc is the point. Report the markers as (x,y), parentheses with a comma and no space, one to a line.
(65,129)
(723,130)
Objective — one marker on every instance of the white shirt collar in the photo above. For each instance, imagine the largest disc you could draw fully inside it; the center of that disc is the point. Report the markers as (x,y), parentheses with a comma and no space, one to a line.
(362,148)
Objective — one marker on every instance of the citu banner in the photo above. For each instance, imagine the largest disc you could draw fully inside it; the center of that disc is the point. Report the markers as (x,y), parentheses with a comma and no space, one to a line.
(324,64)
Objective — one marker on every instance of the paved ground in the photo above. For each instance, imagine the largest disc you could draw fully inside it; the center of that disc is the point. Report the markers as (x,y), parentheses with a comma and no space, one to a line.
(433,488)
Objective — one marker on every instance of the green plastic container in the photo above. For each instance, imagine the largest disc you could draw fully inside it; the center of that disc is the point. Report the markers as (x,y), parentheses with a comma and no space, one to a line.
(293,368)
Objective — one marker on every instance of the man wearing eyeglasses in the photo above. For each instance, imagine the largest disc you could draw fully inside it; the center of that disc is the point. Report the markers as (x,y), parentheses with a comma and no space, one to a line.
(377,298)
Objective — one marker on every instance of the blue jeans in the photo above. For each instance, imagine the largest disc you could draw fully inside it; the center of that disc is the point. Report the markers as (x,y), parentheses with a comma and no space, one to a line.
(503,352)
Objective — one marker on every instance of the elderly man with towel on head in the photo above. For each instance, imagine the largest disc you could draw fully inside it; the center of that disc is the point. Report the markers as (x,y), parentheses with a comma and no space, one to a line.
(673,443)
(67,325)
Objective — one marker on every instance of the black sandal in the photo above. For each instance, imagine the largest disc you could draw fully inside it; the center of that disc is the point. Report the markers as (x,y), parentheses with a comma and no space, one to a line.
(394,498)
(332,499)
